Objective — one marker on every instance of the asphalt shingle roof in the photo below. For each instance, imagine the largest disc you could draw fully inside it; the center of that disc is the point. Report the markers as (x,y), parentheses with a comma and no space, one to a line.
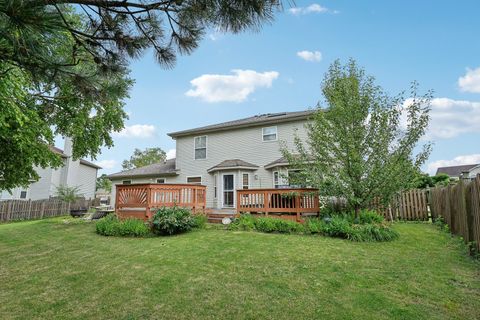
(157,169)
(233,163)
(455,171)
(247,122)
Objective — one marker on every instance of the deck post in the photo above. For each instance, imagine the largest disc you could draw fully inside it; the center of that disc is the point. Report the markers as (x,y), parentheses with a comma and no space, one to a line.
(266,202)
(297,206)
(194,199)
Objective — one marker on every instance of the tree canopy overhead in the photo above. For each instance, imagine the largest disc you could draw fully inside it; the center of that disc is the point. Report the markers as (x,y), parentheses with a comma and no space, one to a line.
(64,67)
(364,144)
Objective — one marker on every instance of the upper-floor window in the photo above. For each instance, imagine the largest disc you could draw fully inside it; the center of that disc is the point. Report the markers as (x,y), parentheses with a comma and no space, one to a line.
(194,180)
(161,180)
(127,182)
(200,147)
(23,194)
(269,133)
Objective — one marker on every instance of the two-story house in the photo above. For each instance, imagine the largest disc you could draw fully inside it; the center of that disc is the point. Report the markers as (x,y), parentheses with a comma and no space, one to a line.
(81,174)
(239,154)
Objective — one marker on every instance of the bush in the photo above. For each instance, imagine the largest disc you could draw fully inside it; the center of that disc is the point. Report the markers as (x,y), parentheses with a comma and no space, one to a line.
(245,223)
(168,221)
(373,233)
(112,226)
(338,226)
(277,225)
(370,216)
(200,221)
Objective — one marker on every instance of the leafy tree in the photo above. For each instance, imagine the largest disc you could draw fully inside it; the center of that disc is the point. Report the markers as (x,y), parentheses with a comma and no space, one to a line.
(144,158)
(65,73)
(104,183)
(358,147)
(441,179)
(82,102)
(67,194)
(423,180)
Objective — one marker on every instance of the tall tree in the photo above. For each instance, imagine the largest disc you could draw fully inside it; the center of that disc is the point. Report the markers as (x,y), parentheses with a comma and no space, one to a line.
(65,73)
(83,102)
(144,158)
(361,145)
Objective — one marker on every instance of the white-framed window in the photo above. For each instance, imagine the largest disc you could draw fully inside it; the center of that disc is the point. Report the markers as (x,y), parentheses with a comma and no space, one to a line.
(194,180)
(269,133)
(200,145)
(245,181)
(161,180)
(127,182)
(215,186)
(276,179)
(23,194)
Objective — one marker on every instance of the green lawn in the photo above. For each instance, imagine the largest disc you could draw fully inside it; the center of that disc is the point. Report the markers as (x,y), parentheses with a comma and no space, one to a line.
(53,270)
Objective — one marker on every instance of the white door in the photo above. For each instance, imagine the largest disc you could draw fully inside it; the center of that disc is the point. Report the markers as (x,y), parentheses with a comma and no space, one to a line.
(228,190)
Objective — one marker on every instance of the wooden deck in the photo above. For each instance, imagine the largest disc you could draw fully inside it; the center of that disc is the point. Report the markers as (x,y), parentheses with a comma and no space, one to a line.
(290,204)
(141,200)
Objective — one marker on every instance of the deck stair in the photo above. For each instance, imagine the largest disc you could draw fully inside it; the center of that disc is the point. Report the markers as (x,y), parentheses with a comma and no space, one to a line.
(216,215)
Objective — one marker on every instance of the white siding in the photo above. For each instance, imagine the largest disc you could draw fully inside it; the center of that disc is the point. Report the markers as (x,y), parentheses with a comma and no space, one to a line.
(42,189)
(86,178)
(245,144)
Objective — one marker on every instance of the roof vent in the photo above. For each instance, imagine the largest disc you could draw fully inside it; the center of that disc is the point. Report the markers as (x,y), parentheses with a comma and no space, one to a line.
(272,115)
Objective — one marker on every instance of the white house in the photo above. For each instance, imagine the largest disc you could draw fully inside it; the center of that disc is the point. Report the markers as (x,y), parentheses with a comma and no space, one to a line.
(233,155)
(74,173)
(469,171)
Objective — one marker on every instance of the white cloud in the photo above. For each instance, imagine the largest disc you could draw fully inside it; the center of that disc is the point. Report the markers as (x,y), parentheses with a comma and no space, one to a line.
(136,131)
(230,88)
(470,82)
(457,161)
(313,8)
(310,55)
(107,164)
(171,154)
(450,118)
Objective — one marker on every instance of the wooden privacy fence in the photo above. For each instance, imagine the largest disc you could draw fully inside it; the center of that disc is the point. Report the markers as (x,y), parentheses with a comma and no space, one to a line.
(411,205)
(459,205)
(141,200)
(11,210)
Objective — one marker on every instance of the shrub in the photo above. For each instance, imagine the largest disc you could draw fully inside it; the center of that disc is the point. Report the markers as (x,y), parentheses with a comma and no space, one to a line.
(277,225)
(314,225)
(132,227)
(338,226)
(112,226)
(372,232)
(200,221)
(245,222)
(370,216)
(108,226)
(168,221)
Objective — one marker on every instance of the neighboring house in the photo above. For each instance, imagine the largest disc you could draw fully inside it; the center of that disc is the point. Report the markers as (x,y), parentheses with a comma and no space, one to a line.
(240,154)
(466,171)
(74,173)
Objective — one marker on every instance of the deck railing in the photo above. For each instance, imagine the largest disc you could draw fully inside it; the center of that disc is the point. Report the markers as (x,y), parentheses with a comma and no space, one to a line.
(288,201)
(141,200)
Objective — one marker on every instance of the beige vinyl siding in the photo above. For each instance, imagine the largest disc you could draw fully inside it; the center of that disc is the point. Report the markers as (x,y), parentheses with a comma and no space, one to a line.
(245,144)
(86,181)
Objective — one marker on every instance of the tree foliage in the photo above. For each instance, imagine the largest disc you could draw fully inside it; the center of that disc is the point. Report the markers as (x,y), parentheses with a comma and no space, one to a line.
(104,183)
(66,193)
(82,102)
(362,145)
(63,67)
(424,180)
(144,158)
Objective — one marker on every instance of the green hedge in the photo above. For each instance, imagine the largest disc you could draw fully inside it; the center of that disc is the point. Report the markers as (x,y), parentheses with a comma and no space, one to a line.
(112,226)
(370,226)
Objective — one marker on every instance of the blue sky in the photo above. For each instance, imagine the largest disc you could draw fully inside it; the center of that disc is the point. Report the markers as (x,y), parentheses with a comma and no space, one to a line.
(280,68)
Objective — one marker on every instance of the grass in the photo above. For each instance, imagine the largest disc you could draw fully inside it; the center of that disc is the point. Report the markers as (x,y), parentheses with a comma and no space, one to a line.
(53,270)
